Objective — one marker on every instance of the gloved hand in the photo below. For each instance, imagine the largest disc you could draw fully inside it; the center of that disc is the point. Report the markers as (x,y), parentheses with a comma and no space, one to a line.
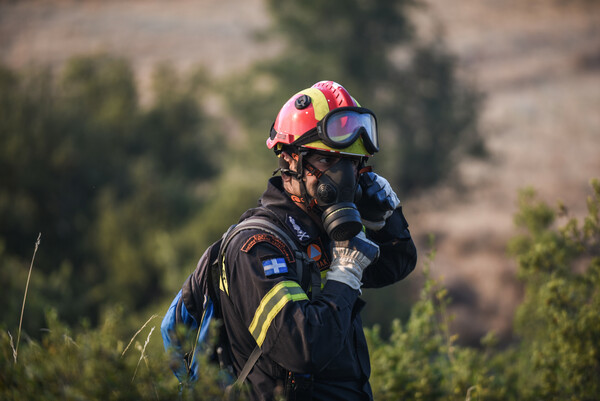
(378,200)
(350,258)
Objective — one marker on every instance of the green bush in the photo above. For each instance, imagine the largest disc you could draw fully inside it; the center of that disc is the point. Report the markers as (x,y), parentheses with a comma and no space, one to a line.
(95,364)
(421,360)
(108,182)
(558,321)
(556,355)
(557,352)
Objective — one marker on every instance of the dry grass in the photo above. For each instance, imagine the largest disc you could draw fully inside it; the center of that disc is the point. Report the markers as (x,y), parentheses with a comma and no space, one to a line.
(138,332)
(16,349)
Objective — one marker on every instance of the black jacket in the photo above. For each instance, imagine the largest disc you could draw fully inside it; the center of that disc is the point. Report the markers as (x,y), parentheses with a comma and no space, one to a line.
(321,337)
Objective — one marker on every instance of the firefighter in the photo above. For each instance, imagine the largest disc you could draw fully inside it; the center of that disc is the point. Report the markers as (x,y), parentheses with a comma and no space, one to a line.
(347,221)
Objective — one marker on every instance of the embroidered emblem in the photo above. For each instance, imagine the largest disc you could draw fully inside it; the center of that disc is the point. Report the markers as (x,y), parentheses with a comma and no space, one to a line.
(270,239)
(314,252)
(274,266)
(300,233)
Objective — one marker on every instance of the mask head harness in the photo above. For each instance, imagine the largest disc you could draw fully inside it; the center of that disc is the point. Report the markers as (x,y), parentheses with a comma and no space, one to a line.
(336,194)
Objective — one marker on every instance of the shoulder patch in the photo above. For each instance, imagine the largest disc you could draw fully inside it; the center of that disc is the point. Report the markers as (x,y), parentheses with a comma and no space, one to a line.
(270,239)
(274,266)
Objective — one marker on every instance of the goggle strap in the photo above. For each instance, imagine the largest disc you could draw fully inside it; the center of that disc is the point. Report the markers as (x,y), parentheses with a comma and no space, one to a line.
(308,137)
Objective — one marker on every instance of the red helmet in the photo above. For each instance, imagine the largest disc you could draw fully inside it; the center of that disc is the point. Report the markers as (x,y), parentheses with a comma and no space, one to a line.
(325,117)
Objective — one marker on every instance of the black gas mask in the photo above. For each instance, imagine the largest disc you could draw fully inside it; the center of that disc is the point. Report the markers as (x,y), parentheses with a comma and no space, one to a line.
(337,192)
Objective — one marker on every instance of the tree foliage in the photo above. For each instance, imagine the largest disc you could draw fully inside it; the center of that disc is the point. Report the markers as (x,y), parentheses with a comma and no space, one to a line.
(106,181)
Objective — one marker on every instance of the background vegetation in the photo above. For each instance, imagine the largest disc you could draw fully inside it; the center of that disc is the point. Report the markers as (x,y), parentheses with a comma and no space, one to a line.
(557,356)
(127,196)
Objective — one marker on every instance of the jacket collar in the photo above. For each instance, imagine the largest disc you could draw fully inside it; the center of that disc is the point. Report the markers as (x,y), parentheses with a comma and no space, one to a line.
(290,215)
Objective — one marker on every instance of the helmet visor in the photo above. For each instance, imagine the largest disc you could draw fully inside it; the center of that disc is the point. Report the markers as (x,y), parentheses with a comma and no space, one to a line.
(343,126)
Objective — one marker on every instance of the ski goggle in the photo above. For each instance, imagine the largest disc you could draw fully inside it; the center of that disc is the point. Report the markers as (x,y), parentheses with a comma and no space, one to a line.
(341,127)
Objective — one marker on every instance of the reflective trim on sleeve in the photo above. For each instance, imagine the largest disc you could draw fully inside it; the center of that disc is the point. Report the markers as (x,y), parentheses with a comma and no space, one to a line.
(270,306)
(324,277)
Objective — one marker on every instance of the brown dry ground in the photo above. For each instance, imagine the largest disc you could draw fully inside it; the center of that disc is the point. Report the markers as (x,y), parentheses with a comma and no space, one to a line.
(537,61)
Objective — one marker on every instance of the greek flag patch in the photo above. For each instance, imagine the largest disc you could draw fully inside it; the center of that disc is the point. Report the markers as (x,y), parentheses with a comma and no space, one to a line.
(274,266)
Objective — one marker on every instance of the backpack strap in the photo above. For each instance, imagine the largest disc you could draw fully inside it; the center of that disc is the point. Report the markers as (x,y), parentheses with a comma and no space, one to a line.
(305,277)
(261,223)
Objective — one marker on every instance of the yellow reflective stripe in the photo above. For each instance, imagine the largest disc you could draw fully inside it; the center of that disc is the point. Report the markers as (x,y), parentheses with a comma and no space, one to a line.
(223,279)
(271,305)
(318,101)
(281,290)
(268,320)
(323,277)
(299,296)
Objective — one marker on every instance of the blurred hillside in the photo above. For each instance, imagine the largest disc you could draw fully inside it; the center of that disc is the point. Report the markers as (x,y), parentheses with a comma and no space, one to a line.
(218,35)
(538,63)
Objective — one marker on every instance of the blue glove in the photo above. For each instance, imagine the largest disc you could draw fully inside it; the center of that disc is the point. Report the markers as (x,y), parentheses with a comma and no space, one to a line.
(378,201)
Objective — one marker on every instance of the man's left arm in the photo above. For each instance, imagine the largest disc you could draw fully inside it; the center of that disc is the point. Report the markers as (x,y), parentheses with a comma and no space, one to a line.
(382,216)
(398,254)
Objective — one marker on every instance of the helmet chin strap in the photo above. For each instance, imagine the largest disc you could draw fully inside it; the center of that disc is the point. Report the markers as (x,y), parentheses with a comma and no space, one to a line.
(305,199)
(303,165)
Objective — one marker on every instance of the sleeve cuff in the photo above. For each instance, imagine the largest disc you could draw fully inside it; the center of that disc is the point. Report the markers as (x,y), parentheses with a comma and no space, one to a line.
(395,228)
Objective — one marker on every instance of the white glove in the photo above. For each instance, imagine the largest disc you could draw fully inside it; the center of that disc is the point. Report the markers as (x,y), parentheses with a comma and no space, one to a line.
(351,258)
(378,201)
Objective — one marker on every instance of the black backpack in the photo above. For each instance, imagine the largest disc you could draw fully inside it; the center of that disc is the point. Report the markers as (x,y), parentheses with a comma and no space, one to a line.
(200,296)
